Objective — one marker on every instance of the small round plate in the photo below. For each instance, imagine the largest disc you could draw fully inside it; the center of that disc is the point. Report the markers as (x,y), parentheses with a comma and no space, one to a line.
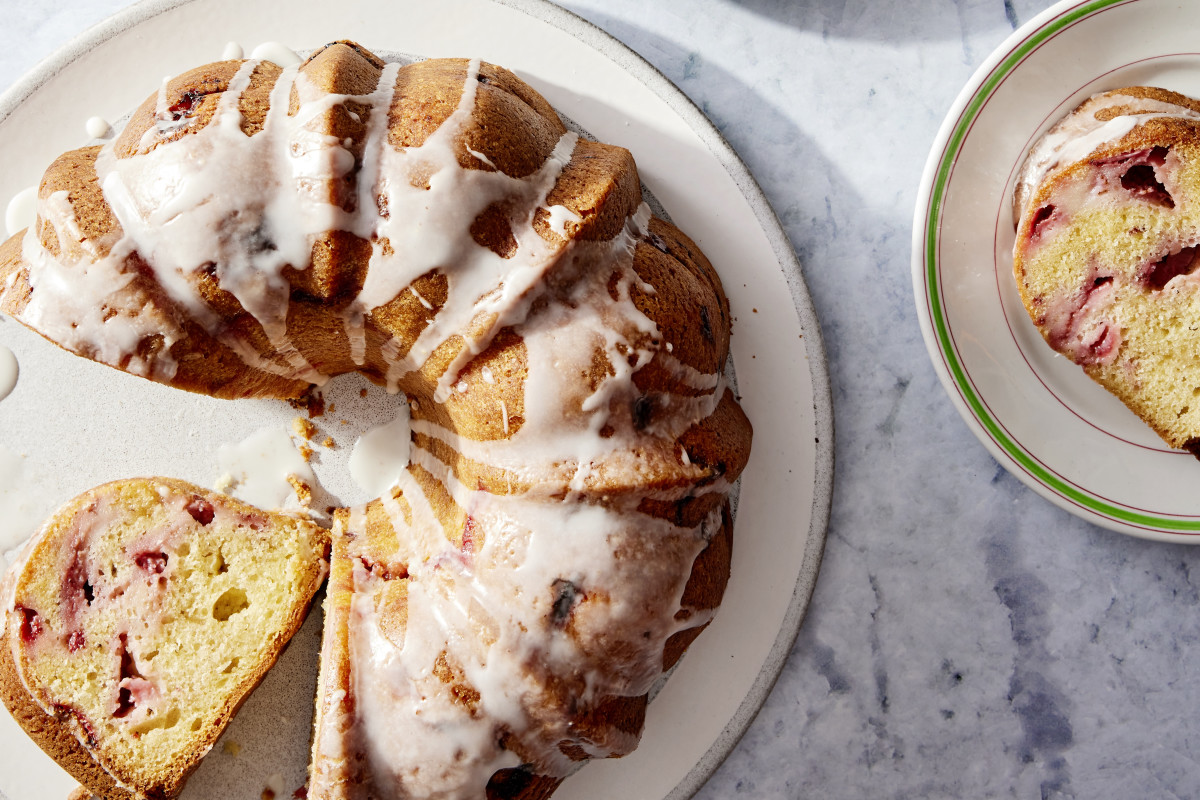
(1038,413)
(79,424)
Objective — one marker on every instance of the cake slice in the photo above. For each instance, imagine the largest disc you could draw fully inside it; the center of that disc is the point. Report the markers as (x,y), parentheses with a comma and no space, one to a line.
(1108,233)
(140,617)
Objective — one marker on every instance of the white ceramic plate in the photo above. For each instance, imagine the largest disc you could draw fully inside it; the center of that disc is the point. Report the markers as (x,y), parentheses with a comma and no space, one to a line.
(77,424)
(1037,412)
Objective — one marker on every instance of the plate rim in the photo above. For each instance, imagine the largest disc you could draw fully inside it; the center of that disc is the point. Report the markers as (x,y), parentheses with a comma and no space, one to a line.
(932,311)
(814,350)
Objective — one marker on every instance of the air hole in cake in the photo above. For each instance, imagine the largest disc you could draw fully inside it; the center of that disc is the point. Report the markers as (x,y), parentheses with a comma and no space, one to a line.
(201,510)
(127,672)
(196,725)
(1141,180)
(1157,275)
(168,720)
(231,666)
(232,602)
(125,703)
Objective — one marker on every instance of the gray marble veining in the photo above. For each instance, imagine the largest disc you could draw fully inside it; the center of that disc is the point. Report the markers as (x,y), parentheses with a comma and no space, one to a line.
(967,638)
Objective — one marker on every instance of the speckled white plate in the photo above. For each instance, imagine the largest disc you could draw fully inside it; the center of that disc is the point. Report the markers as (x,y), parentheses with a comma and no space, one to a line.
(1037,412)
(70,424)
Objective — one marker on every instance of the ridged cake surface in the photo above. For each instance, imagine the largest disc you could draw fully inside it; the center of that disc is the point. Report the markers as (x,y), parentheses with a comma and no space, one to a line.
(563,530)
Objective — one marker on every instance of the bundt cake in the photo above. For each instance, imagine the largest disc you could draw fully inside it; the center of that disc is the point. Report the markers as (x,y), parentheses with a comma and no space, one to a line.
(140,617)
(563,531)
(1107,209)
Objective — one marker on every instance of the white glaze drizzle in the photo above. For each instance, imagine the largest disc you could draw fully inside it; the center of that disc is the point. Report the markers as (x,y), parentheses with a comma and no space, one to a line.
(76,293)
(381,454)
(277,52)
(21,211)
(215,195)
(97,128)
(491,613)
(9,370)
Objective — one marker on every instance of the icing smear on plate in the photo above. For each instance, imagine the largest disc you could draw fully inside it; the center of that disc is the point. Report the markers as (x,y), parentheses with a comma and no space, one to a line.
(22,507)
(21,211)
(381,454)
(261,469)
(9,370)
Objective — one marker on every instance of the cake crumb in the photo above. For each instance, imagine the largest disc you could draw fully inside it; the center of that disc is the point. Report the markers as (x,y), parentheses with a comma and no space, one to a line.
(304,428)
(362,392)
(312,402)
(303,491)
(80,793)
(306,452)
(329,442)
(233,748)
(225,483)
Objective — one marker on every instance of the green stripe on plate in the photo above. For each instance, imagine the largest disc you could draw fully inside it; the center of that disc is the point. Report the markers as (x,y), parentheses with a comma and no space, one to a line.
(933,228)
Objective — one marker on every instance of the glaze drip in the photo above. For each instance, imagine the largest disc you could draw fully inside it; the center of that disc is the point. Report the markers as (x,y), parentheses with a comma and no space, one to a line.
(513,583)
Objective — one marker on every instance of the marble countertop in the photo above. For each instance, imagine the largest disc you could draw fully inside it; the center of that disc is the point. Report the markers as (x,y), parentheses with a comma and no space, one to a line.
(966,638)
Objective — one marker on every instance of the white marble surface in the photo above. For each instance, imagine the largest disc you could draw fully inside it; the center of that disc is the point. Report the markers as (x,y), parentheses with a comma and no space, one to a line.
(967,638)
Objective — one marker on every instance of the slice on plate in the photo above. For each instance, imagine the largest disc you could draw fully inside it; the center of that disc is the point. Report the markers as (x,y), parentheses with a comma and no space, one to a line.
(1108,242)
(140,617)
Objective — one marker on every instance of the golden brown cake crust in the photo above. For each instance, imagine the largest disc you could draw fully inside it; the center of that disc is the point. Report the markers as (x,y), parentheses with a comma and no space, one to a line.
(622,339)
(50,734)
